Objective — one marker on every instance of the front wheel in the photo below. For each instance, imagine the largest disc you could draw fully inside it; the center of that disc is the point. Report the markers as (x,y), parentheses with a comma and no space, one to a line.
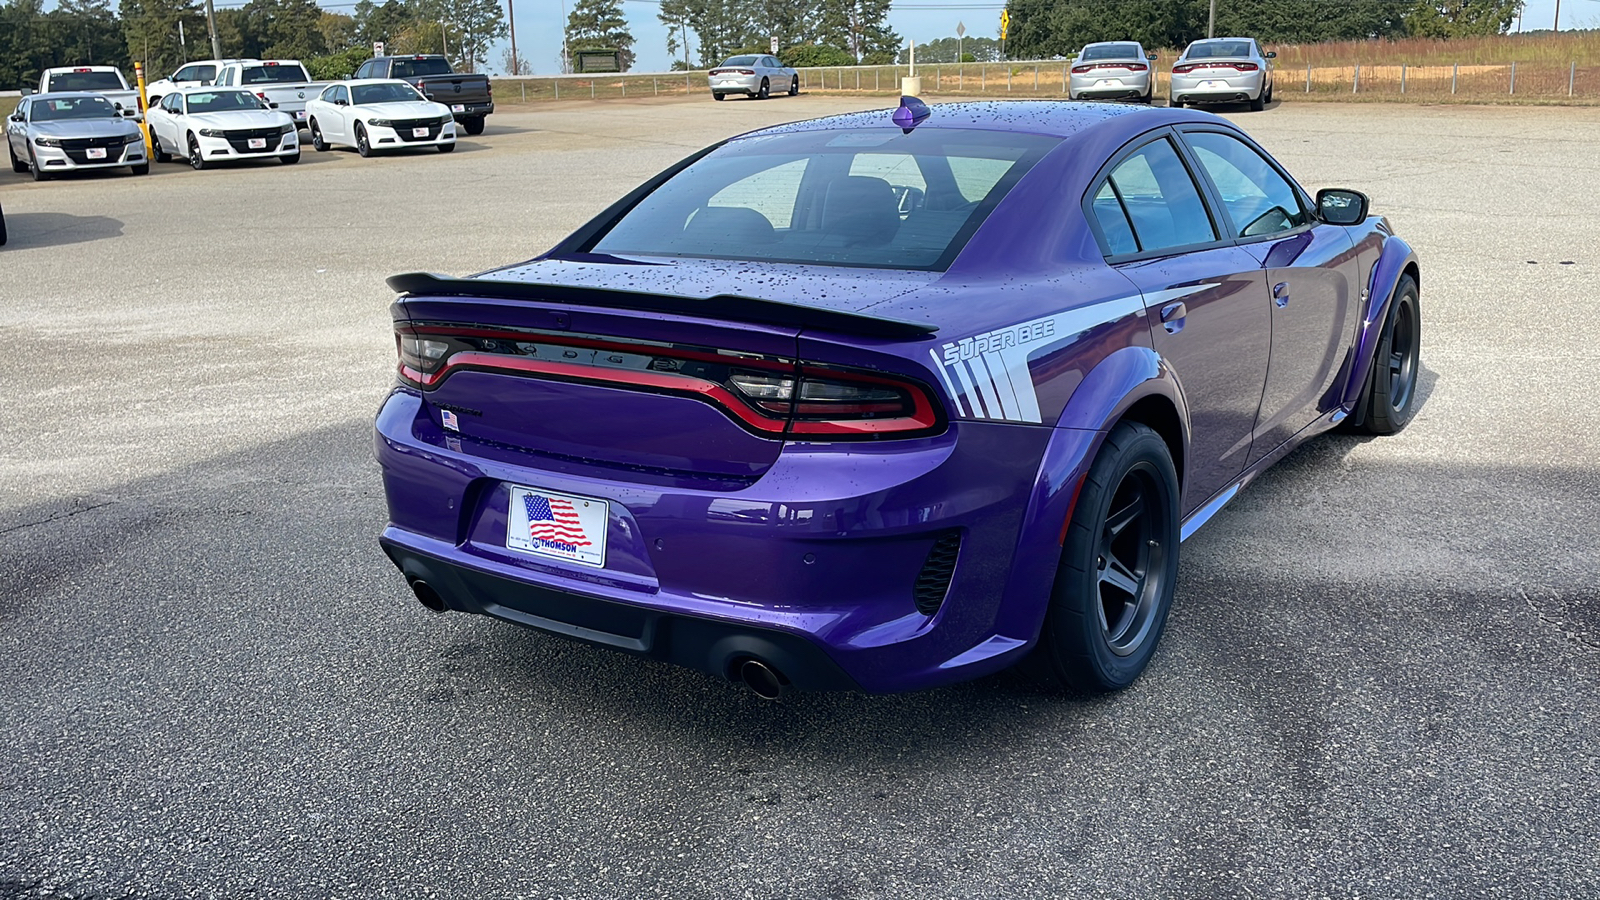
(764,91)
(1391,393)
(197,160)
(363,146)
(1118,567)
(39,173)
(473,125)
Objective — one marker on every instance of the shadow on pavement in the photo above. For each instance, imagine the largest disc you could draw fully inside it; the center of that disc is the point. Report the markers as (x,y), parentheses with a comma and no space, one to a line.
(55,229)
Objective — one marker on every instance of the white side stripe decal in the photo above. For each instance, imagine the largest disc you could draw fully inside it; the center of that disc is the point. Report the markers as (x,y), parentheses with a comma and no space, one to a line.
(992,369)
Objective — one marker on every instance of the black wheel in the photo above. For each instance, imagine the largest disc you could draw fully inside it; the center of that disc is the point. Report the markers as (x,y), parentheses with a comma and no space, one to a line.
(362,146)
(765,90)
(717,96)
(317,142)
(39,173)
(289,159)
(2,228)
(1259,103)
(446,148)
(1175,103)
(1118,566)
(156,150)
(140,169)
(196,160)
(17,165)
(1268,97)
(794,85)
(473,125)
(1391,393)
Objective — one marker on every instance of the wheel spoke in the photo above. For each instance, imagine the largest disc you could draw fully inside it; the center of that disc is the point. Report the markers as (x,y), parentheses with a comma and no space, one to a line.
(1119,576)
(1119,520)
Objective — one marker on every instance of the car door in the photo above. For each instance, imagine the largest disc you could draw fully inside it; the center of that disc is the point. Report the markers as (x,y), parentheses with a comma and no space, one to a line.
(342,113)
(15,122)
(164,122)
(1204,297)
(1312,273)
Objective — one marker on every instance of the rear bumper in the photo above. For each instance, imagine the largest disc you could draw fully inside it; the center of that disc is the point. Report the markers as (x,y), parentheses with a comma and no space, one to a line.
(1083,88)
(467,110)
(1231,90)
(816,562)
(713,646)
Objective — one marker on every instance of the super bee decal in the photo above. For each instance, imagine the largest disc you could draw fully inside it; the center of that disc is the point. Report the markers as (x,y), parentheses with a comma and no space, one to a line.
(987,374)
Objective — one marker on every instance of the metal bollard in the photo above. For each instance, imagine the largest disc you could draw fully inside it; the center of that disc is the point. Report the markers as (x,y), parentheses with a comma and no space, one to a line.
(1355,86)
(1036,79)
(1455,69)
(1402,78)
(1572,75)
(1308,78)
(655,87)
(1513,76)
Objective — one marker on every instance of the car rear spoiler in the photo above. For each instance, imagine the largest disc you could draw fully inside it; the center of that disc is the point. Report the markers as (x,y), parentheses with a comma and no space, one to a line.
(722,306)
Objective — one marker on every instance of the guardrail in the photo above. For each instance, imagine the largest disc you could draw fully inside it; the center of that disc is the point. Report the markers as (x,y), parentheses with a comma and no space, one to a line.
(1512,81)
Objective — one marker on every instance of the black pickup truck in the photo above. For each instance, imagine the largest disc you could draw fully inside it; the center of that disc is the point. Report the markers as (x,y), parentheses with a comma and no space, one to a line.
(469,97)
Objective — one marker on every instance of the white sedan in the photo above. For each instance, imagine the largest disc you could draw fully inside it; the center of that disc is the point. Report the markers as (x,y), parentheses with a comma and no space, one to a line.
(209,125)
(378,114)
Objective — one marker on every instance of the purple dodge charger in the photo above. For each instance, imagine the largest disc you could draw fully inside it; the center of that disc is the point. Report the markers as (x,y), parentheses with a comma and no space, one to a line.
(889,400)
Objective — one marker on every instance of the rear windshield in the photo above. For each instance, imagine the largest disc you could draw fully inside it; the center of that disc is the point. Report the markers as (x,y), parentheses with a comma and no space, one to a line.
(87,81)
(72,108)
(876,198)
(273,75)
(742,60)
(411,68)
(391,92)
(1218,50)
(1111,51)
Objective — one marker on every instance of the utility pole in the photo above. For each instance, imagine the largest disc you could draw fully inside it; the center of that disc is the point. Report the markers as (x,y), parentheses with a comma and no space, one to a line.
(1557,25)
(511,14)
(211,22)
(1211,24)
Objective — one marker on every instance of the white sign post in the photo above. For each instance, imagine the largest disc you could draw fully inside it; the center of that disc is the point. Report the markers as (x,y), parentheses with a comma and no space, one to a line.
(377,48)
(911,85)
(774,45)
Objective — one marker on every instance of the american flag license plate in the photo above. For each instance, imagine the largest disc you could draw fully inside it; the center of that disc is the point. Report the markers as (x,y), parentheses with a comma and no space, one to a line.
(557,525)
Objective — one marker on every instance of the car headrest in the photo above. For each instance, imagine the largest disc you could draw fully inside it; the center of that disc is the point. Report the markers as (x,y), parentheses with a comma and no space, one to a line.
(729,225)
(862,210)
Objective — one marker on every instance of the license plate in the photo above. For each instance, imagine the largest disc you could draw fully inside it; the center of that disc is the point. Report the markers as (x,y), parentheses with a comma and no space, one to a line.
(1213,84)
(1108,82)
(458,107)
(96,153)
(258,143)
(419,132)
(560,526)
(299,114)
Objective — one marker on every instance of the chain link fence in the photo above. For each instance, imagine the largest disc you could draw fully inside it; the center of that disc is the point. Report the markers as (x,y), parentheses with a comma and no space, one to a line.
(1542,82)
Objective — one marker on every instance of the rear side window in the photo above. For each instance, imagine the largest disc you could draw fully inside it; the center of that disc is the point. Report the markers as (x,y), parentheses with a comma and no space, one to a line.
(1158,198)
(872,197)
(1113,221)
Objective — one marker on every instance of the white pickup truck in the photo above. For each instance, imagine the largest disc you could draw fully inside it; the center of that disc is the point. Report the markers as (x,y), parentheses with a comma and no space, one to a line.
(107,81)
(191,74)
(282,83)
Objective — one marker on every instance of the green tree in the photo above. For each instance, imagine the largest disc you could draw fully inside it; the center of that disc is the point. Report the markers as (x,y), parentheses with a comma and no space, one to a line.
(25,44)
(805,55)
(600,25)
(339,32)
(470,26)
(945,50)
(150,28)
(87,32)
(721,26)
(1462,18)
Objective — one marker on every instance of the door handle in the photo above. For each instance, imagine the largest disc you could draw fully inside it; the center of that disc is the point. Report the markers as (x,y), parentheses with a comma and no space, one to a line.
(1280,294)
(1172,316)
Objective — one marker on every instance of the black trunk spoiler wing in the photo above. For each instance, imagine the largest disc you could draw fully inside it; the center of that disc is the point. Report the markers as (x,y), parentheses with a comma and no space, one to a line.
(728,307)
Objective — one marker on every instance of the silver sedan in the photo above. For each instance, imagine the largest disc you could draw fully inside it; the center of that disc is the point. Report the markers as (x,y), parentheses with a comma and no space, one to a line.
(757,76)
(1112,70)
(52,133)
(1223,70)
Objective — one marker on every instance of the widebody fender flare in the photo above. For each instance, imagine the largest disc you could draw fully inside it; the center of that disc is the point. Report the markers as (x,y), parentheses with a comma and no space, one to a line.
(1119,382)
(1396,257)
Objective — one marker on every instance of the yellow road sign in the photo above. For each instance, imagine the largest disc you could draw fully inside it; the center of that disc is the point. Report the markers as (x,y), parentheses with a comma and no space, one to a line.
(1005,23)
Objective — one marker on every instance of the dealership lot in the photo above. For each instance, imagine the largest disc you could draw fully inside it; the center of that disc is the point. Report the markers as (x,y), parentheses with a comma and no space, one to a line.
(1380,678)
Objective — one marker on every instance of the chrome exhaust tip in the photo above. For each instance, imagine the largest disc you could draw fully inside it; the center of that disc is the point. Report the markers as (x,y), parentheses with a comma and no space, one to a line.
(763,679)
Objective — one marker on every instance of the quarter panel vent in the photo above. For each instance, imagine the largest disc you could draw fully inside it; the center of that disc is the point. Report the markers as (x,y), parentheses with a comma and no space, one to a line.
(933,582)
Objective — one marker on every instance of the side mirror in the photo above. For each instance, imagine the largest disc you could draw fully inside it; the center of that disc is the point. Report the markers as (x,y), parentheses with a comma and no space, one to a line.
(16,118)
(272,106)
(1272,54)
(341,103)
(131,113)
(1150,56)
(1338,206)
(28,91)
(117,105)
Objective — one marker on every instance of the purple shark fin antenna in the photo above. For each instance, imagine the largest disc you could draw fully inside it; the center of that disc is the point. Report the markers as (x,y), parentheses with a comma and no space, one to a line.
(911,113)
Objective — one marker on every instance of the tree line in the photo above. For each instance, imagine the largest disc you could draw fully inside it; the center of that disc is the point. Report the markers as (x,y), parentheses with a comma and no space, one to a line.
(164,34)
(1041,29)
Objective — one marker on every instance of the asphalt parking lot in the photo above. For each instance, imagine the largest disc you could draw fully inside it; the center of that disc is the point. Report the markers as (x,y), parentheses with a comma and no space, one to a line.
(1380,677)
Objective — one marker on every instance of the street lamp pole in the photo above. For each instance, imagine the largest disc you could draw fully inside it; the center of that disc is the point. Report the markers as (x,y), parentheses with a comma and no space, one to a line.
(511,15)
(211,22)
(1211,24)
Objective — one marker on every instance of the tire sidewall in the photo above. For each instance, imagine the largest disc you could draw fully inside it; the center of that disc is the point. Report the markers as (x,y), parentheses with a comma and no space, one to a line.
(1075,640)
(1385,418)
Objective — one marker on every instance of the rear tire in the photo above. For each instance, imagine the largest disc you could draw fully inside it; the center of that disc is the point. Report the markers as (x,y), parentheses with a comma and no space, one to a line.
(1119,564)
(1259,103)
(1390,396)
(317,142)
(161,155)
(717,96)
(473,125)
(1175,103)
(17,165)
(764,91)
